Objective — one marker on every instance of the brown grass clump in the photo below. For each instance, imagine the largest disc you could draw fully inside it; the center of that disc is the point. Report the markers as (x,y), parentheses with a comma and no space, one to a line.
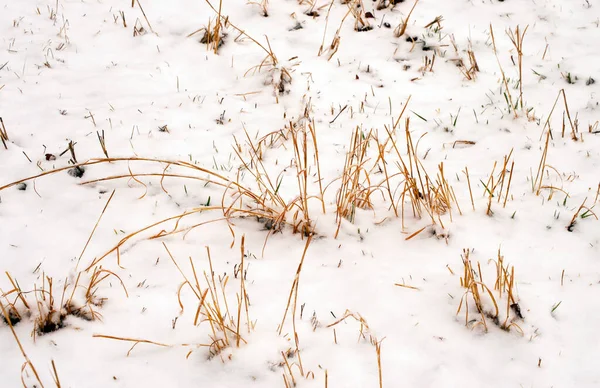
(473,296)
(428,197)
(476,292)
(496,185)
(213,306)
(78,298)
(355,189)
(470,71)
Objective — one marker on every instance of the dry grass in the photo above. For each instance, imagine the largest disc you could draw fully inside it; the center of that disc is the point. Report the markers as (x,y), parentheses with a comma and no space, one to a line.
(50,307)
(477,292)
(278,75)
(213,306)
(401,29)
(296,211)
(587,213)
(357,9)
(293,303)
(504,285)
(3,134)
(78,298)
(472,294)
(224,22)
(265,202)
(495,186)
(263,6)
(365,331)
(334,46)
(355,189)
(507,94)
(469,72)
(49,313)
(407,186)
(427,197)
(133,2)
(517,37)
(537,184)
(572,125)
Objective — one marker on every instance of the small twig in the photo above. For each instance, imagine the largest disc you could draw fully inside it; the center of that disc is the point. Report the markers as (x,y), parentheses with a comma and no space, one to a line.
(3,133)
(143,13)
(407,286)
(335,118)
(94,229)
(72,150)
(102,141)
(135,340)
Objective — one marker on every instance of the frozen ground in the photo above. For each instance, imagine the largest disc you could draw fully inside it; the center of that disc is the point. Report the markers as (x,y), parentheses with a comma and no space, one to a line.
(395,244)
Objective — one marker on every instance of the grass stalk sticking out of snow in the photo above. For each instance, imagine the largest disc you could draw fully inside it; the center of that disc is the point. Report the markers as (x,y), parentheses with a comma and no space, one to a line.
(469,73)
(143,13)
(293,303)
(94,229)
(588,213)
(466,172)
(568,113)
(401,29)
(302,216)
(539,177)
(313,134)
(490,189)
(357,9)
(363,332)
(504,285)
(355,190)
(517,38)
(102,141)
(507,94)
(381,157)
(3,133)
(263,5)
(279,76)
(334,46)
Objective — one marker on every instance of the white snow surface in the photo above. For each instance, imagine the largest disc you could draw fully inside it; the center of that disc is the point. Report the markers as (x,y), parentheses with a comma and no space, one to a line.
(71,72)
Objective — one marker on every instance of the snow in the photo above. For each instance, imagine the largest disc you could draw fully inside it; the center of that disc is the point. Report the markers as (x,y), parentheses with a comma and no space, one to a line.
(73,72)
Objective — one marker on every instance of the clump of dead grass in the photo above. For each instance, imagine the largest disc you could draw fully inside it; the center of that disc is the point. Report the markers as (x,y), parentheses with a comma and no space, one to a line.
(484,300)
(78,297)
